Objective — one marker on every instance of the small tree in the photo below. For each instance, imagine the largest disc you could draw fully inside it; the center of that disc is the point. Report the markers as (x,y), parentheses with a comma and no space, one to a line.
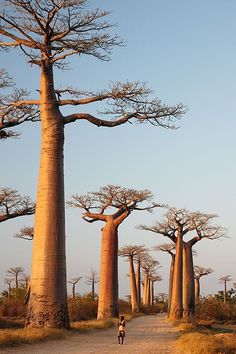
(74,281)
(199,272)
(25,233)
(130,252)
(120,202)
(15,272)
(225,280)
(92,280)
(13,205)
(149,266)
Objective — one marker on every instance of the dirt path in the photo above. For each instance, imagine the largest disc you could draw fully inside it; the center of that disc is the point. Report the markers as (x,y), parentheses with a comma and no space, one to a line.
(146,334)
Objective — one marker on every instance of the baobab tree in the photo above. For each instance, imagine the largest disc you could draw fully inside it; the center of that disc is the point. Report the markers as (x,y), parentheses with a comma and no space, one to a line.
(130,252)
(48,34)
(13,205)
(74,281)
(170,249)
(225,280)
(25,233)
(15,272)
(153,279)
(9,281)
(92,280)
(138,260)
(178,223)
(199,272)
(10,115)
(118,203)
(149,266)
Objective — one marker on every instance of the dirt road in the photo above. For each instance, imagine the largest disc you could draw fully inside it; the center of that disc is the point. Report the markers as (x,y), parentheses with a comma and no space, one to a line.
(146,334)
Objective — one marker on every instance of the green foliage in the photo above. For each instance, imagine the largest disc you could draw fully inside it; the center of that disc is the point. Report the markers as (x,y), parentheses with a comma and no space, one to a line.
(230,296)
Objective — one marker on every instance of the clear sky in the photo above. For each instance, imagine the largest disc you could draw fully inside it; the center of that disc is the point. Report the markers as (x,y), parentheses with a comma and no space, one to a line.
(186,51)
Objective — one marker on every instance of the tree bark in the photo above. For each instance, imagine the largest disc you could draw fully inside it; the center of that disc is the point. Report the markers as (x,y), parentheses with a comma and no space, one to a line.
(133,289)
(225,292)
(108,288)
(197,289)
(176,310)
(188,282)
(138,282)
(145,290)
(170,282)
(47,305)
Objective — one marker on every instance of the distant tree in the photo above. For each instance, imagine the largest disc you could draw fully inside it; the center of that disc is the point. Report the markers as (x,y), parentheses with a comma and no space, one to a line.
(25,279)
(118,203)
(177,223)
(170,249)
(92,280)
(13,205)
(48,33)
(153,279)
(10,114)
(74,281)
(129,252)
(9,281)
(198,273)
(138,257)
(149,266)
(15,272)
(26,233)
(225,280)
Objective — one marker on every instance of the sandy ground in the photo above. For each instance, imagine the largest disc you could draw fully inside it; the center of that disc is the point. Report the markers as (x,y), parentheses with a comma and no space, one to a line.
(146,334)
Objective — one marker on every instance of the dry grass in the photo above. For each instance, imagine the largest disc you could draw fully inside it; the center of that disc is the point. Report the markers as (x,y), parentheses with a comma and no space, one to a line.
(92,324)
(199,343)
(9,337)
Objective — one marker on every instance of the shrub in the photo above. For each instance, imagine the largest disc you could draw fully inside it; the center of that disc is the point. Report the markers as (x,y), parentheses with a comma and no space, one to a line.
(209,308)
(82,308)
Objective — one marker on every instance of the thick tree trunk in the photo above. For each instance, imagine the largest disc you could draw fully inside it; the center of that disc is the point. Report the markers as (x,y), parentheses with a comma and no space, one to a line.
(152,293)
(138,282)
(133,289)
(197,289)
(47,305)
(108,288)
(170,283)
(188,282)
(176,310)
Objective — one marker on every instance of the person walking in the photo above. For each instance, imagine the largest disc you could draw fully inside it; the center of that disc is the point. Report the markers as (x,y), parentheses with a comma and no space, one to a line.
(121,330)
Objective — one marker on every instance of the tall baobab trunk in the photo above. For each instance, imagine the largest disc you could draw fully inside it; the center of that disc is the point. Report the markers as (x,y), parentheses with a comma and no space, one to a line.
(145,290)
(48,298)
(133,289)
(138,282)
(188,281)
(176,309)
(170,282)
(197,289)
(108,288)
(73,291)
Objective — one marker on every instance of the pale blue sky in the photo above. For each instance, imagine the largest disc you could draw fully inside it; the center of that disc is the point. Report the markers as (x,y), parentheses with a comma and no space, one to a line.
(186,51)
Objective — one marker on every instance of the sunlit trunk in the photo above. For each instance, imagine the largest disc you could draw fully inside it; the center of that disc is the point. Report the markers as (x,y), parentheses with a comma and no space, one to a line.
(188,282)
(197,289)
(108,287)
(145,290)
(47,305)
(138,282)
(133,289)
(170,283)
(176,309)
(152,293)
